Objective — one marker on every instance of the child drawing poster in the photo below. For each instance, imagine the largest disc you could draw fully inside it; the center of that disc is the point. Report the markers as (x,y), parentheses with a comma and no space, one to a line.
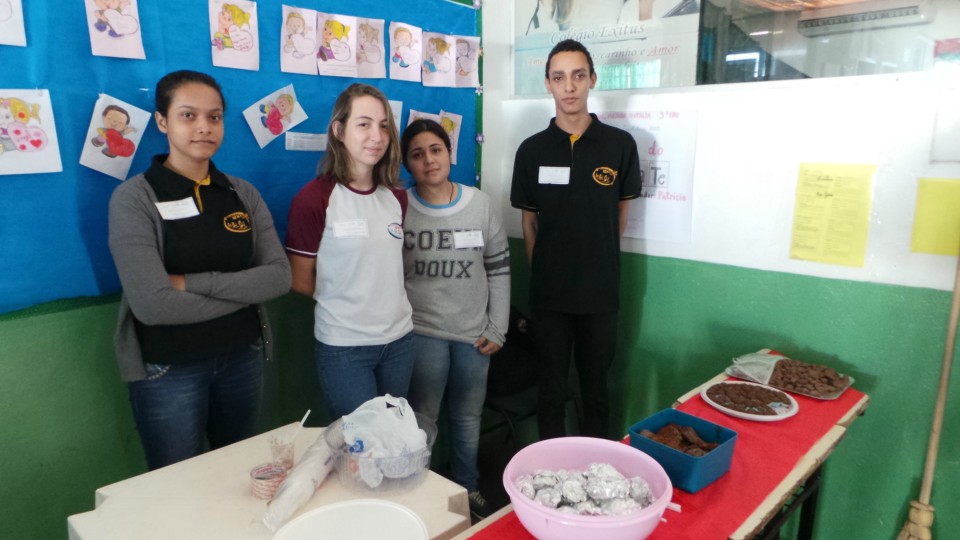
(405,52)
(396,109)
(11,23)
(438,60)
(274,115)
(28,134)
(467,61)
(370,43)
(114,27)
(234,34)
(298,41)
(113,136)
(418,115)
(451,123)
(337,45)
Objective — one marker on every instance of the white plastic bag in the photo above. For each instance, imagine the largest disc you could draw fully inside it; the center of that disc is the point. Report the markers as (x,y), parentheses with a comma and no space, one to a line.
(384,427)
(756,367)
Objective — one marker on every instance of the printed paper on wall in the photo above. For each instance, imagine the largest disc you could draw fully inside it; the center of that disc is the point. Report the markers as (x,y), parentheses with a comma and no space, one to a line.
(234,34)
(28,133)
(113,137)
(273,115)
(114,27)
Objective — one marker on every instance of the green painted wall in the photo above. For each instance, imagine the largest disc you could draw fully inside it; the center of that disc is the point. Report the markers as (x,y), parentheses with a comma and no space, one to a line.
(66,425)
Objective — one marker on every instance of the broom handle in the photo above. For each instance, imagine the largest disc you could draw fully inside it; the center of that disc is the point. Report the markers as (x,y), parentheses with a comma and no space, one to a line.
(927,486)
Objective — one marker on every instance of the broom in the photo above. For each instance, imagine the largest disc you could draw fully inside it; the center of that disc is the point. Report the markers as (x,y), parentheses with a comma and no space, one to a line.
(920,516)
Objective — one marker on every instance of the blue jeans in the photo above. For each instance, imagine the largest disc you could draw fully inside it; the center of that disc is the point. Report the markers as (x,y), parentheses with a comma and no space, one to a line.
(351,376)
(459,371)
(179,408)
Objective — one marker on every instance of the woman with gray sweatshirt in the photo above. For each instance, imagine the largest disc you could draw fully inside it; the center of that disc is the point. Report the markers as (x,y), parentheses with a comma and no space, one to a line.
(457,275)
(197,255)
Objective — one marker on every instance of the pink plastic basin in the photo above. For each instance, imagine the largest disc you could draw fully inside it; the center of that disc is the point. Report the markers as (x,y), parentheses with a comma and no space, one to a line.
(578,453)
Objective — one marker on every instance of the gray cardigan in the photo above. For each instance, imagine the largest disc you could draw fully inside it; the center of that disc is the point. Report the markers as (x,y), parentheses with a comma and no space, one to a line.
(136,243)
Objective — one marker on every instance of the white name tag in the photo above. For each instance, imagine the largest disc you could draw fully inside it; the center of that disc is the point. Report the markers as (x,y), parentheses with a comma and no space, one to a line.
(467,239)
(555,175)
(351,228)
(181,209)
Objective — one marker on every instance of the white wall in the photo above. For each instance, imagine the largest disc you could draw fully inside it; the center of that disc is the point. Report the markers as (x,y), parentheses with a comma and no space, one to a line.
(751,139)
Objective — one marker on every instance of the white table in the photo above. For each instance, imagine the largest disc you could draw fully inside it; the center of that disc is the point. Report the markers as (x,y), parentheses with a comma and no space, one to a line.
(208,497)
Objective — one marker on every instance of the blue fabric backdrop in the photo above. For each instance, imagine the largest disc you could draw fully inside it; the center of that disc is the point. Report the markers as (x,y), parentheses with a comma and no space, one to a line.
(53,227)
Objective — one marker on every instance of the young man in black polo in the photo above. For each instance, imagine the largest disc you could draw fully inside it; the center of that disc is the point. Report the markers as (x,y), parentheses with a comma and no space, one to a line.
(573,182)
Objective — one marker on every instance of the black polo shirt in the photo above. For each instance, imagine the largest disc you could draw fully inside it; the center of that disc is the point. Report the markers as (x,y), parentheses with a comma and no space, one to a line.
(576,256)
(219,239)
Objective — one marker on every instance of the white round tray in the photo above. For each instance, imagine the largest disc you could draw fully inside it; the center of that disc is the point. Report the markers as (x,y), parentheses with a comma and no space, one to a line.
(783,411)
(359,519)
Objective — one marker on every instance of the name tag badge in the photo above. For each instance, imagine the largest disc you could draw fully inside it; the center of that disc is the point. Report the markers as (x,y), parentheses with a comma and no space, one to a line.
(555,175)
(351,228)
(184,208)
(467,239)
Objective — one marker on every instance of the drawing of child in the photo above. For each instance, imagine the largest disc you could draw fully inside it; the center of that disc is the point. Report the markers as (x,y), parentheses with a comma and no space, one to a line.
(298,43)
(116,124)
(367,49)
(436,59)
(403,51)
(230,21)
(109,9)
(332,47)
(276,113)
(466,60)
(448,125)
(15,113)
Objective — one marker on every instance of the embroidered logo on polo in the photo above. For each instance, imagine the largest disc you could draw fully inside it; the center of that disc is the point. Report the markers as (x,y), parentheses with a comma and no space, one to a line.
(395,230)
(238,222)
(605,176)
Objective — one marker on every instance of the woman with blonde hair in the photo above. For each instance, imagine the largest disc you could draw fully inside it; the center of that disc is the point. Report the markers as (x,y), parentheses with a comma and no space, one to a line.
(344,240)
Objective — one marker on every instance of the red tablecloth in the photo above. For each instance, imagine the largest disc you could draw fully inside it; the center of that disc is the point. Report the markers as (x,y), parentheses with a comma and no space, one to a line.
(765,453)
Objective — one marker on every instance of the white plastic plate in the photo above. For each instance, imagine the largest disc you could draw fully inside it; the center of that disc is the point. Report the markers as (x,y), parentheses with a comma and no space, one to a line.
(359,519)
(783,410)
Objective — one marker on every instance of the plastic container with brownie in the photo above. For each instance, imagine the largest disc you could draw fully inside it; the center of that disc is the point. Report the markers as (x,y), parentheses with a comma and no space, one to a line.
(692,460)
(773,369)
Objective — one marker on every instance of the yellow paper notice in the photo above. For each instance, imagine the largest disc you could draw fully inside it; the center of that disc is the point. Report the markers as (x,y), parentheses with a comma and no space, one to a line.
(832,213)
(936,223)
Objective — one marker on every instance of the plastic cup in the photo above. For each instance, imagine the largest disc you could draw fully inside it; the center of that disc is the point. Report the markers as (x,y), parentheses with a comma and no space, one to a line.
(265,479)
(282,451)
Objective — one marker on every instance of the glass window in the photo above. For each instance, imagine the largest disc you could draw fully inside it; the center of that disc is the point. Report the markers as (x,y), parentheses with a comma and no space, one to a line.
(764,40)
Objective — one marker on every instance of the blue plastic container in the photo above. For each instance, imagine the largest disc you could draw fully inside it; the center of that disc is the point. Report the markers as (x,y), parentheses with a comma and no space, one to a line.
(687,472)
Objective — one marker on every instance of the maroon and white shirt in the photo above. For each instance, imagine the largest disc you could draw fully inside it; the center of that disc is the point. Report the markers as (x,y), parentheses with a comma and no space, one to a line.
(357,239)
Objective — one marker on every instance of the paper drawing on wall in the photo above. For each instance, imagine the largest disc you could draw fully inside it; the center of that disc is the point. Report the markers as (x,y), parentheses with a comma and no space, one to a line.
(405,52)
(337,43)
(11,23)
(298,41)
(274,115)
(28,134)
(370,63)
(113,136)
(114,27)
(468,61)
(233,31)
(451,123)
(438,60)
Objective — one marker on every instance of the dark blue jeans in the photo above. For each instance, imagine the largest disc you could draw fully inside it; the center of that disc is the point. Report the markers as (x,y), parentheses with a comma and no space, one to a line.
(351,376)
(181,408)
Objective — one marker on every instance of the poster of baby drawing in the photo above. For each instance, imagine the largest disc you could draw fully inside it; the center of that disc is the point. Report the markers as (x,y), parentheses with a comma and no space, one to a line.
(405,52)
(28,134)
(273,115)
(336,50)
(114,27)
(438,61)
(234,31)
(370,47)
(298,41)
(113,136)
(467,61)
(11,23)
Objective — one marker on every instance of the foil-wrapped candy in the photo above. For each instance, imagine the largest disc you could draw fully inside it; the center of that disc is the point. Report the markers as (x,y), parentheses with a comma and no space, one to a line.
(600,490)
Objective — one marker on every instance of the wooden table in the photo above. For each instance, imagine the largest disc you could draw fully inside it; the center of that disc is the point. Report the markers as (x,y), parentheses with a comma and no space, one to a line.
(208,497)
(798,489)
